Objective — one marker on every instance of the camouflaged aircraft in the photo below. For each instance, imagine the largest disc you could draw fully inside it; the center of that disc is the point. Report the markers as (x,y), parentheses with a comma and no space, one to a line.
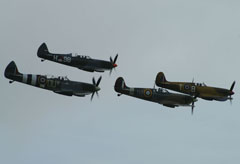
(196,89)
(161,96)
(79,61)
(60,85)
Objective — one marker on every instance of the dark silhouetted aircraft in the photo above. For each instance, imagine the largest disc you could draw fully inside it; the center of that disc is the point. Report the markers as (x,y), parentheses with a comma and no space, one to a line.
(79,61)
(60,85)
(160,96)
(196,89)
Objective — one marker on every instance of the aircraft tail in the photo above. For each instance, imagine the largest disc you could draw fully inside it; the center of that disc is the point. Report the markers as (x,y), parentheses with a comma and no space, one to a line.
(42,50)
(160,78)
(11,70)
(120,84)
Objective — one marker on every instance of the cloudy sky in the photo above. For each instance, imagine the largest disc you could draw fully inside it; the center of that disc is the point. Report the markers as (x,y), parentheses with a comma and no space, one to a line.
(185,39)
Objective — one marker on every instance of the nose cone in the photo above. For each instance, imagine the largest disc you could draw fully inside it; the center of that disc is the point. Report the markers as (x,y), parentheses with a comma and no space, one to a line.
(114,65)
(231,93)
(97,88)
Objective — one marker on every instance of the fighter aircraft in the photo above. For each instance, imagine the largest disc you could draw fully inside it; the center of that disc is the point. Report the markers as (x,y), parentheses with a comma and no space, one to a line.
(196,89)
(60,85)
(160,96)
(79,61)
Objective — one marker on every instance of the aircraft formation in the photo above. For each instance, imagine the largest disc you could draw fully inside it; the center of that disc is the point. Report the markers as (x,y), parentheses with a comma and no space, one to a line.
(187,96)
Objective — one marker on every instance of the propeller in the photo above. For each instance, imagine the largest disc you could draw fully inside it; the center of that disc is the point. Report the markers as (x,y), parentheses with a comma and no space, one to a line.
(231,93)
(96,86)
(193,101)
(114,65)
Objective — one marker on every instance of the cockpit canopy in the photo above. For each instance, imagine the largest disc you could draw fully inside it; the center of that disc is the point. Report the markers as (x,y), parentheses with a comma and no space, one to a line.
(201,84)
(65,78)
(161,90)
(80,56)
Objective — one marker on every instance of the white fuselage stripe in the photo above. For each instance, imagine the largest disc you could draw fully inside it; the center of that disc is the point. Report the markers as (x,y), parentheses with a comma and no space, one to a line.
(34,80)
(25,76)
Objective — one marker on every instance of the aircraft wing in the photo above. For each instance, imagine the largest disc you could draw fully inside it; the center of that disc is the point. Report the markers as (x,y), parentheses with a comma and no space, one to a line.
(218,98)
(70,93)
(91,69)
(64,92)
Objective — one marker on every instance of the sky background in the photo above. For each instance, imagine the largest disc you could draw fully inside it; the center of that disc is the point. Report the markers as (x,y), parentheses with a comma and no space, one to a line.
(185,39)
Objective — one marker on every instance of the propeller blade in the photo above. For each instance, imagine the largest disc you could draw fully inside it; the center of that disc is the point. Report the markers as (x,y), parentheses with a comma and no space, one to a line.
(111,59)
(233,84)
(115,59)
(99,80)
(97,94)
(110,72)
(92,95)
(193,102)
(192,108)
(93,81)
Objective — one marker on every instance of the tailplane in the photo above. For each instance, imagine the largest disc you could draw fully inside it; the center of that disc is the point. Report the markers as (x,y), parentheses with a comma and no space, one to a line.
(11,70)
(160,78)
(42,50)
(120,84)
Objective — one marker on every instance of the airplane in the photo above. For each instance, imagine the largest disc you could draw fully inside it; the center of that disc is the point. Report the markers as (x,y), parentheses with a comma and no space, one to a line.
(196,89)
(79,61)
(59,85)
(160,96)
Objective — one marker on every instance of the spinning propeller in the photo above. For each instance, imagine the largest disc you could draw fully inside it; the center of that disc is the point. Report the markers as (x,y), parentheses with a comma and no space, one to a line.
(96,86)
(114,65)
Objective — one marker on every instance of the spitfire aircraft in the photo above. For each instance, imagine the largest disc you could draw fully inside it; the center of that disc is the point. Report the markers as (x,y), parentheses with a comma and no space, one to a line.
(196,89)
(160,96)
(79,61)
(60,85)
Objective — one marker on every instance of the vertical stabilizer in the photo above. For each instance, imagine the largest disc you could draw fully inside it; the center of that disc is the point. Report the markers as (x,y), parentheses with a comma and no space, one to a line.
(11,70)
(160,78)
(42,50)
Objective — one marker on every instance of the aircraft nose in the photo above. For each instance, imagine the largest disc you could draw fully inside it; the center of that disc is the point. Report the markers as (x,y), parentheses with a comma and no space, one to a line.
(114,65)
(231,93)
(98,88)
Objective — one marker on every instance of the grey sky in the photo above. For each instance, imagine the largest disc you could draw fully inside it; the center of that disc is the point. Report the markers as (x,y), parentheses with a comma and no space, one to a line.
(184,39)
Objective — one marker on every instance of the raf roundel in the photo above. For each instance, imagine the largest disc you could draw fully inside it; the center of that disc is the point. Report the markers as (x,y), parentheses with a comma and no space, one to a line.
(42,80)
(186,87)
(148,93)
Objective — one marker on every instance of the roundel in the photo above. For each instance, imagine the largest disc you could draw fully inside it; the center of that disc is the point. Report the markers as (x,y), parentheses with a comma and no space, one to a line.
(42,80)
(147,92)
(186,86)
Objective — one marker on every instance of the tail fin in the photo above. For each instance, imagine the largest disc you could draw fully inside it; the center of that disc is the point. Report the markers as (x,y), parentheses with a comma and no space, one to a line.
(42,50)
(160,78)
(120,84)
(11,70)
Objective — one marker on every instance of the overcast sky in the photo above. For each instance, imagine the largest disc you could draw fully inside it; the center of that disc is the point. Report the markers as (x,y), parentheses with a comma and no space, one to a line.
(185,39)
